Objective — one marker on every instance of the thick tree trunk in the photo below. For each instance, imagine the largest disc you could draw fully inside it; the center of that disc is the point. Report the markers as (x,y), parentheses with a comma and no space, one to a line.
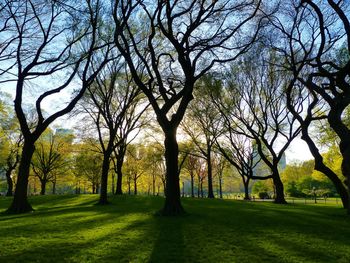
(20,202)
(279,196)
(345,166)
(246,189)
(172,204)
(321,167)
(104,178)
(9,182)
(210,176)
(119,167)
(192,185)
(42,187)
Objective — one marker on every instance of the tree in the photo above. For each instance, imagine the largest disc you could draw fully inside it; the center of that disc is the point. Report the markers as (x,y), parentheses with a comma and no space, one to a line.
(253,104)
(49,40)
(167,52)
(201,175)
(238,150)
(134,164)
(220,164)
(113,103)
(50,157)
(191,165)
(202,123)
(10,142)
(315,44)
(87,166)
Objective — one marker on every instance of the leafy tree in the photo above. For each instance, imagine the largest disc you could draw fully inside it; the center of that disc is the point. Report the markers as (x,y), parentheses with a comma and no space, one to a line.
(10,141)
(87,166)
(113,103)
(254,105)
(167,52)
(202,124)
(135,164)
(315,44)
(50,157)
(48,40)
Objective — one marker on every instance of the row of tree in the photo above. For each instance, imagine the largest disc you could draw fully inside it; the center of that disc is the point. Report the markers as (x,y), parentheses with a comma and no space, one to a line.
(260,73)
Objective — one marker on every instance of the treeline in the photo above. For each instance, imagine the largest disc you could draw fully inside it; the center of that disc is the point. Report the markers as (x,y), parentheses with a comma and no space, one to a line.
(239,80)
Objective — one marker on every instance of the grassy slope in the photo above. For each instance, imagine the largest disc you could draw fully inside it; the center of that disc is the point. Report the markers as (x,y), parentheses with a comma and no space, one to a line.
(73,229)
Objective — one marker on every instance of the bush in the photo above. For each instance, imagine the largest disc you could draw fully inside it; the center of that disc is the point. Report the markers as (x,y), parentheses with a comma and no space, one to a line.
(264,195)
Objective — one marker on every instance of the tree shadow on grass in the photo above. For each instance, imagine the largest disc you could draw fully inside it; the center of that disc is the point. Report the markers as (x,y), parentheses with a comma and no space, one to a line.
(169,245)
(104,239)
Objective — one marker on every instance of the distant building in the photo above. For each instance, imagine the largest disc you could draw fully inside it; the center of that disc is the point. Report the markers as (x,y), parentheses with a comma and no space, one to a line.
(62,131)
(261,169)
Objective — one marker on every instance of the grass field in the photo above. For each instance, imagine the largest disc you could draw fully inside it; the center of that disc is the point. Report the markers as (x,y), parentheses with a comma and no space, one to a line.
(73,229)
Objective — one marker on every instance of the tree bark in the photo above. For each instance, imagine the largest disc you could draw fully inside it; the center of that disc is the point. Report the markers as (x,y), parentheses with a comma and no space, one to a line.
(279,197)
(9,182)
(246,189)
(104,178)
(43,186)
(172,204)
(345,167)
(135,187)
(20,202)
(210,175)
(119,190)
(54,187)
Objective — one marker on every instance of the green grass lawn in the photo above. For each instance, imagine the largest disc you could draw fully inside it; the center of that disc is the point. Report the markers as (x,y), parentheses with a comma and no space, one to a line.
(73,229)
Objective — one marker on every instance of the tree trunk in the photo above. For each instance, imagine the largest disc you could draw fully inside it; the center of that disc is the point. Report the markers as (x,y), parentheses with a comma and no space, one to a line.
(199,187)
(246,189)
(93,188)
(54,187)
(129,187)
(43,186)
(135,187)
(210,175)
(345,167)
(172,204)
(202,194)
(113,183)
(192,185)
(119,167)
(279,197)
(220,187)
(104,178)
(154,184)
(20,202)
(321,167)
(9,182)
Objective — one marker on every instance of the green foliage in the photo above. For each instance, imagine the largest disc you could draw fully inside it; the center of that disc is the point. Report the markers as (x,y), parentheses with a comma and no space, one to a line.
(263,188)
(301,180)
(72,229)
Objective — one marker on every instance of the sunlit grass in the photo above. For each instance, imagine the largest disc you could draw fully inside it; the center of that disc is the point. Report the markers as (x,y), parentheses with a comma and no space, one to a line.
(74,229)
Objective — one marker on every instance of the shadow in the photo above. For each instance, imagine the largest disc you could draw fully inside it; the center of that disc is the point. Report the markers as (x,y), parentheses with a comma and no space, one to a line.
(169,245)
